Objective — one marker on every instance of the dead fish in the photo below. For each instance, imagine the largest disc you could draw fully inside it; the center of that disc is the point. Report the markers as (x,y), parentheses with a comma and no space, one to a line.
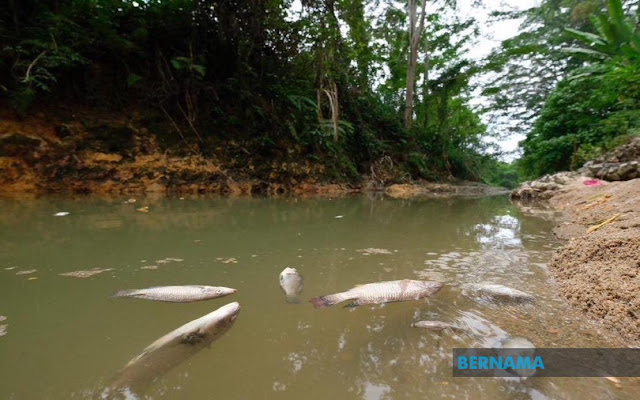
(26,272)
(501,292)
(517,347)
(515,343)
(86,274)
(291,284)
(3,329)
(435,325)
(171,350)
(380,292)
(371,250)
(177,294)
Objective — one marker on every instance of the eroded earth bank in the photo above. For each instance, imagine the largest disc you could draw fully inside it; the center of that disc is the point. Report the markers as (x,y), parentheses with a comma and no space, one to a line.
(107,154)
(598,269)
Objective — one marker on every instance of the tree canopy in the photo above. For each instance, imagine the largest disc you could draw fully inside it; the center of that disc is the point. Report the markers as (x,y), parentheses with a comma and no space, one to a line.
(352,84)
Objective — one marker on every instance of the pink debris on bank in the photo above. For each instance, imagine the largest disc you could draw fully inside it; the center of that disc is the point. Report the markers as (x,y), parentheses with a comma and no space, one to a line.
(593,182)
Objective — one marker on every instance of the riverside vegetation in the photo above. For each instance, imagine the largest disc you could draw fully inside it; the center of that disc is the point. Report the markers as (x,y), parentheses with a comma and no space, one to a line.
(112,90)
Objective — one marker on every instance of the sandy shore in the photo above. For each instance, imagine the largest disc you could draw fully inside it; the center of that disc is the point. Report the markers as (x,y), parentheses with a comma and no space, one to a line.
(598,270)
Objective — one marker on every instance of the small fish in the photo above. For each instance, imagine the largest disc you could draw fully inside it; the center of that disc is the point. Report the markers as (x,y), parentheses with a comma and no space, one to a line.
(61,214)
(369,251)
(291,284)
(86,274)
(177,294)
(501,292)
(435,325)
(380,292)
(171,350)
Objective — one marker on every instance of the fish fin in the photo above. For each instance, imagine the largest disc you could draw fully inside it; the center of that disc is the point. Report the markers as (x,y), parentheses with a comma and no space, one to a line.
(125,293)
(293,300)
(353,304)
(326,301)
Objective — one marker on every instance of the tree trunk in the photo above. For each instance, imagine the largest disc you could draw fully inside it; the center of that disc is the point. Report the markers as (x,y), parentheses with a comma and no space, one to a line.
(425,85)
(414,42)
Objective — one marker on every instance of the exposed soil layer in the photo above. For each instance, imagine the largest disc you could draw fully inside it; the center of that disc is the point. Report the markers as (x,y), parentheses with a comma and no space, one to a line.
(598,270)
(105,154)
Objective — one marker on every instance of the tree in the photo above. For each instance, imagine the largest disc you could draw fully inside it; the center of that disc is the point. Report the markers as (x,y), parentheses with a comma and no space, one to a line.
(598,103)
(415,34)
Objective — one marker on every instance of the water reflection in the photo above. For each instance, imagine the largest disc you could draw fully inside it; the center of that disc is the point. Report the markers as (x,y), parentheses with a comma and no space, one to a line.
(279,350)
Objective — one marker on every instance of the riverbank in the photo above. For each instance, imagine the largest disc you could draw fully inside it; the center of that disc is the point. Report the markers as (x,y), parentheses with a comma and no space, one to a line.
(598,269)
(101,154)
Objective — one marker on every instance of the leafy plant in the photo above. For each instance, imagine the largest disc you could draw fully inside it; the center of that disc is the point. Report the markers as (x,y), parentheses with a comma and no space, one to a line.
(616,35)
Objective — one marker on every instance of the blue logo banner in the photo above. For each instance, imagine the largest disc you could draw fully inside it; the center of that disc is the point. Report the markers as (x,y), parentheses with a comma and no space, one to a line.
(546,362)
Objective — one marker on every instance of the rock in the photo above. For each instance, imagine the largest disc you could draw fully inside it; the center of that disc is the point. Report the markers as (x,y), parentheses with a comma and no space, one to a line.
(621,164)
(624,168)
(613,177)
(543,188)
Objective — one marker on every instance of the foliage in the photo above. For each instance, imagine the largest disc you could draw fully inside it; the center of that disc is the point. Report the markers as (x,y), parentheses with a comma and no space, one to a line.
(526,68)
(594,106)
(616,36)
(582,116)
(326,81)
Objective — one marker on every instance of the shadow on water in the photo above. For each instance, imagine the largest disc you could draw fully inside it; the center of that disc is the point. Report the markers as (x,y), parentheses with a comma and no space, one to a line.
(279,350)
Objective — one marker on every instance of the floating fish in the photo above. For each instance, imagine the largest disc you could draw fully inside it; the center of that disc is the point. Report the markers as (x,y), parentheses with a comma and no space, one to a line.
(26,272)
(291,284)
(380,292)
(86,274)
(517,347)
(171,350)
(371,250)
(500,292)
(435,325)
(61,214)
(177,294)
(515,343)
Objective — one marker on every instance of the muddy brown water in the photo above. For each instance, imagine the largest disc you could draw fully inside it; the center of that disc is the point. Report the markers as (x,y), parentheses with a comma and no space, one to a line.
(66,338)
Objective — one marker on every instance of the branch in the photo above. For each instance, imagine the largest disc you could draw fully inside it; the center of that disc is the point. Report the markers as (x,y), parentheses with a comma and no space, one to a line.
(26,77)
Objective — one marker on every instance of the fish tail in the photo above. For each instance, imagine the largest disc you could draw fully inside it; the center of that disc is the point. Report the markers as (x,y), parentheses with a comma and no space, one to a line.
(326,301)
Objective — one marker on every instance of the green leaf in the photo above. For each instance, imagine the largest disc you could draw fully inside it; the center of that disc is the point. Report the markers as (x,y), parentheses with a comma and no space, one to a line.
(584,51)
(132,79)
(588,38)
(199,69)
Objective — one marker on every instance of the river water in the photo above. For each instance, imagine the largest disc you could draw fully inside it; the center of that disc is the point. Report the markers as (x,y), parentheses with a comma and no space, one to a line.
(66,338)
